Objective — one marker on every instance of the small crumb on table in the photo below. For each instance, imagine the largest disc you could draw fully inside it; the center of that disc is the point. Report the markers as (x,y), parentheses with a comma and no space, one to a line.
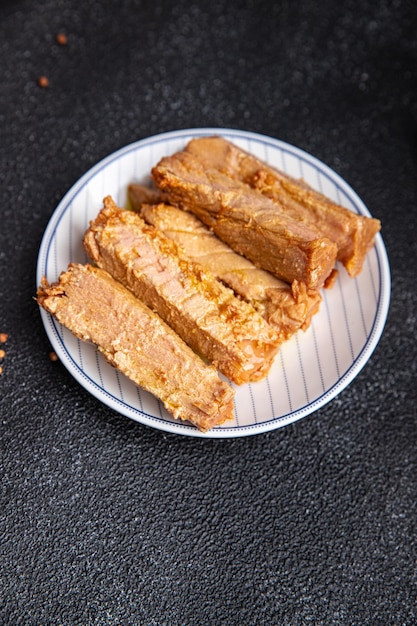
(43,81)
(61,38)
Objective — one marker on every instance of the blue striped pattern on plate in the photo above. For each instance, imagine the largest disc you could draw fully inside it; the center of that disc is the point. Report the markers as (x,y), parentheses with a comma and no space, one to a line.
(311,368)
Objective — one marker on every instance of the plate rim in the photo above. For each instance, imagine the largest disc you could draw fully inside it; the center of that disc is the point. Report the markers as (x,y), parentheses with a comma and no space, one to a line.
(223,432)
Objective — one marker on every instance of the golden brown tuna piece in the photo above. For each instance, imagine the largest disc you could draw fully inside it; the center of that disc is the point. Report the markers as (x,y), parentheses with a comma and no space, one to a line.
(250,223)
(354,234)
(98,309)
(206,314)
(287,307)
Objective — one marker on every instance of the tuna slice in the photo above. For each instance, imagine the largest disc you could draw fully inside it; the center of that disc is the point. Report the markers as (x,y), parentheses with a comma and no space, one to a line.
(353,234)
(207,315)
(249,222)
(287,307)
(98,309)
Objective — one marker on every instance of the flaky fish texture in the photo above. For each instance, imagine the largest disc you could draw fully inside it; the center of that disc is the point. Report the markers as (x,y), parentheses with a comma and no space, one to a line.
(98,309)
(353,234)
(208,316)
(287,307)
(249,222)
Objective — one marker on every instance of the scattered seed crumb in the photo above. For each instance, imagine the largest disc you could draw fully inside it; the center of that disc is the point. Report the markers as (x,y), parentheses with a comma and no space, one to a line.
(53,356)
(61,38)
(3,337)
(2,354)
(43,81)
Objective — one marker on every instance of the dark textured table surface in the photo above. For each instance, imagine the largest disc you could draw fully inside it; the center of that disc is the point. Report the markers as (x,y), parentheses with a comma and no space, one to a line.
(106,521)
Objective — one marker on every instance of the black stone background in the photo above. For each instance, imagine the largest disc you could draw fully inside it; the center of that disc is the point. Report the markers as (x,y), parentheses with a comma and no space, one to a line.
(105,521)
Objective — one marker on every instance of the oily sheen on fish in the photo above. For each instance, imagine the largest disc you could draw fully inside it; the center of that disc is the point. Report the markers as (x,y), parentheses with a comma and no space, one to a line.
(207,315)
(246,220)
(353,234)
(286,307)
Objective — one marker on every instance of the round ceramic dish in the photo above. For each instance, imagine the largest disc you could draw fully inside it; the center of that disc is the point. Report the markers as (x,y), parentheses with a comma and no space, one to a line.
(310,369)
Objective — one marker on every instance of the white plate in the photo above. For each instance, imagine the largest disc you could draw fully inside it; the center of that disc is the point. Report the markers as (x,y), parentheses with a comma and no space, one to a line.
(311,368)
